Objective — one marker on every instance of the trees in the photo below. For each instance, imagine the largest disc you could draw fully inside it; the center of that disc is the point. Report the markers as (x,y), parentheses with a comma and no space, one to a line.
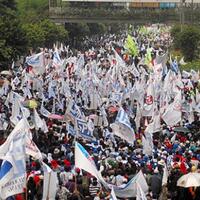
(187,40)
(44,34)
(32,11)
(52,33)
(12,38)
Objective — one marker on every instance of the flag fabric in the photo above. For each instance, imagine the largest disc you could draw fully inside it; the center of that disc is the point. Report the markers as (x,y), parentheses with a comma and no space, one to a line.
(56,59)
(31,148)
(6,171)
(35,60)
(131,46)
(74,110)
(148,108)
(130,189)
(148,57)
(173,113)
(15,155)
(165,175)
(174,66)
(154,126)
(122,127)
(173,138)
(47,114)
(147,143)
(37,63)
(182,62)
(38,121)
(50,185)
(112,195)
(84,161)
(140,193)
(19,128)
(16,114)
(82,129)
(71,130)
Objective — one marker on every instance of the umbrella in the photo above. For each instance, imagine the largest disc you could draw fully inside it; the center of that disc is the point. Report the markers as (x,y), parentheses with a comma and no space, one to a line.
(55,116)
(181,129)
(191,179)
(6,72)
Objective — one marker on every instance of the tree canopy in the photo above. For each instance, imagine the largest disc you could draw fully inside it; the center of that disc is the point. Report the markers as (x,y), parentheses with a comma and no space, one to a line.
(187,40)
(12,38)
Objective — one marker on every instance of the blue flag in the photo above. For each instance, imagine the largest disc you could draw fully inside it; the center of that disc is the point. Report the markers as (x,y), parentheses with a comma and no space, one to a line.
(83,130)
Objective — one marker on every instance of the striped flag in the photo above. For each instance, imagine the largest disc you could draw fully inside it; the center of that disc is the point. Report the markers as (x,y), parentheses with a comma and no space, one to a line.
(122,127)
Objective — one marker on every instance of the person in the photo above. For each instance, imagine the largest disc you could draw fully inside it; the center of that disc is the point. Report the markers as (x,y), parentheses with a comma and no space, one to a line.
(62,192)
(155,184)
(94,187)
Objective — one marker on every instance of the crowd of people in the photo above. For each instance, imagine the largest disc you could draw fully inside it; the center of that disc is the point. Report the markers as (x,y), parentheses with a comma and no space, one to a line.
(94,85)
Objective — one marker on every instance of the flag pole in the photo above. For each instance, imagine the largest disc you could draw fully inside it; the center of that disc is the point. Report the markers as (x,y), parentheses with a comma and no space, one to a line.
(26,192)
(49,174)
(75,178)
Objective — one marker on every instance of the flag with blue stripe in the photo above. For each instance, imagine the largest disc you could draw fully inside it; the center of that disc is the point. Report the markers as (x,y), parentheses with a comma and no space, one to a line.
(83,130)
(122,117)
(71,130)
(13,168)
(174,66)
(35,60)
(6,172)
(56,59)
(122,127)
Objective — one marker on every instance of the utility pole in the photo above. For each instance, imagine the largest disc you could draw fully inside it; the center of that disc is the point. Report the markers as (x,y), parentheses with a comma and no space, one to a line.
(182,15)
(181,12)
(192,11)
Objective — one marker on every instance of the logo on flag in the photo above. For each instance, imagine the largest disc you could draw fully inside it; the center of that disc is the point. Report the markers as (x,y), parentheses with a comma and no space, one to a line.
(83,129)
(149,100)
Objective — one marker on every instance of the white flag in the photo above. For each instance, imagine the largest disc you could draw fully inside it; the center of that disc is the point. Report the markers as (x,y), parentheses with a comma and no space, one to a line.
(50,185)
(165,176)
(147,144)
(122,127)
(148,108)
(31,148)
(130,189)
(112,195)
(140,193)
(173,113)
(154,126)
(38,121)
(173,138)
(14,153)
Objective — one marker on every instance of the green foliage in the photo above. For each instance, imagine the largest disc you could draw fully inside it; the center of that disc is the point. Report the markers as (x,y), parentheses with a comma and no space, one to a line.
(12,38)
(44,33)
(97,28)
(187,40)
(78,31)
(35,35)
(175,33)
(195,65)
(31,11)
(52,33)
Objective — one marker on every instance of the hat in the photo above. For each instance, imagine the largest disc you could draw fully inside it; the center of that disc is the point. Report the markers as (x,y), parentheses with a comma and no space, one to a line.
(56,151)
(161,162)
